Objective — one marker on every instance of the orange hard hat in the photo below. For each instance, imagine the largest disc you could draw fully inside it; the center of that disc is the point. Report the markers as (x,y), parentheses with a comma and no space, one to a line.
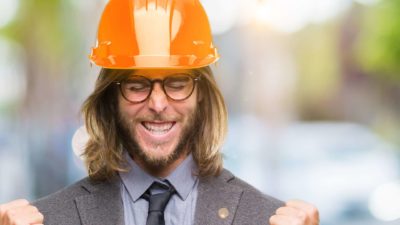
(137,34)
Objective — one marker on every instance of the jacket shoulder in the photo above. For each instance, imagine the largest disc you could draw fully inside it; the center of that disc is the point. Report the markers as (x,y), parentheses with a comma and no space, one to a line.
(74,204)
(62,198)
(60,207)
(254,205)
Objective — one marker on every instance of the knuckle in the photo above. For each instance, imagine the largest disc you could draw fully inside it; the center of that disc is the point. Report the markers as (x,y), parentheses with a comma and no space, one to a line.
(314,211)
(302,216)
(272,219)
(41,217)
(2,210)
(24,201)
(11,213)
(16,222)
(12,216)
(34,208)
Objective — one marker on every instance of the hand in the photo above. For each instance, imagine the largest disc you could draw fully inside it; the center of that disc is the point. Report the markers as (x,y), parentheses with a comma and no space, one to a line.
(20,212)
(295,212)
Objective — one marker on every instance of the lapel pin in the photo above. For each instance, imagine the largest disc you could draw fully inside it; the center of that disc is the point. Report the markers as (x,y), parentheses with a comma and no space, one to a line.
(223,213)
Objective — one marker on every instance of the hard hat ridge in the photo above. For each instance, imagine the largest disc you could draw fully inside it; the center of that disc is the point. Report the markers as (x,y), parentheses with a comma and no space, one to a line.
(154,34)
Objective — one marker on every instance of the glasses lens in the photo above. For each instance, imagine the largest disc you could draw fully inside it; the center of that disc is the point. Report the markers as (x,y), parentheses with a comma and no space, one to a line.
(179,86)
(136,88)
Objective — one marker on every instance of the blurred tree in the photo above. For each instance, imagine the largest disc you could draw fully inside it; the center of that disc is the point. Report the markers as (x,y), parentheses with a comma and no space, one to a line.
(316,50)
(377,52)
(46,32)
(378,49)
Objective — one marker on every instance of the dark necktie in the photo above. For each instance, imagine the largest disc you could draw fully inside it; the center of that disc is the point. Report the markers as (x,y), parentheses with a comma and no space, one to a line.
(157,202)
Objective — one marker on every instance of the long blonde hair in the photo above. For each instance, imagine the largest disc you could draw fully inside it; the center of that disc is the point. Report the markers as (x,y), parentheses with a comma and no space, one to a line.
(104,152)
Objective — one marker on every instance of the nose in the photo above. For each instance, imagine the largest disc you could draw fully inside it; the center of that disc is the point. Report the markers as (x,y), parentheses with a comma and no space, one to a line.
(158,101)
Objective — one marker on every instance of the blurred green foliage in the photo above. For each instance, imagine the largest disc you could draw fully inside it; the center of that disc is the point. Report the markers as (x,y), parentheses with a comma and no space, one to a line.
(378,49)
(317,56)
(44,29)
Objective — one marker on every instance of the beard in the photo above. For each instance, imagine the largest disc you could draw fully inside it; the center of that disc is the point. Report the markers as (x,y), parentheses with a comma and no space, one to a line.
(130,142)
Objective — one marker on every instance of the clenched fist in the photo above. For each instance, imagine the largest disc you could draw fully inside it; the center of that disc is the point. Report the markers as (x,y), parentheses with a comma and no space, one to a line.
(295,212)
(20,212)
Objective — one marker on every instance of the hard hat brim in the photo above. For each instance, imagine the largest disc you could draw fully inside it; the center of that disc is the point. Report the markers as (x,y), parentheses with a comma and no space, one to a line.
(153,62)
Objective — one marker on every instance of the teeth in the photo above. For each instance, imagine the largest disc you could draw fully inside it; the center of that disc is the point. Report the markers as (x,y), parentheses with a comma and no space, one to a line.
(158,128)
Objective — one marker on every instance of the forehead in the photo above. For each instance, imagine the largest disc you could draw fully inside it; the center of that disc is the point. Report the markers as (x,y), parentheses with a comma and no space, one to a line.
(160,73)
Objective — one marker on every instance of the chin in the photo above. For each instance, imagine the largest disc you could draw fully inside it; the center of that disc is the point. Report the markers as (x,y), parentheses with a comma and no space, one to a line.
(158,155)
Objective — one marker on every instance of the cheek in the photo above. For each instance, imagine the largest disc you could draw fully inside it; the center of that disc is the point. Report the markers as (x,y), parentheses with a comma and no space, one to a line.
(187,107)
(188,112)
(127,110)
(192,103)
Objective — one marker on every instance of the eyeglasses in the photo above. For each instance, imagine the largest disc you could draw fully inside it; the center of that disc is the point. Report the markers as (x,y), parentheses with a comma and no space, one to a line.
(137,89)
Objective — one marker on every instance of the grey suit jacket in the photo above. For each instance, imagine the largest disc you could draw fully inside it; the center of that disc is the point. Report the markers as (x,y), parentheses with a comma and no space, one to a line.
(221,200)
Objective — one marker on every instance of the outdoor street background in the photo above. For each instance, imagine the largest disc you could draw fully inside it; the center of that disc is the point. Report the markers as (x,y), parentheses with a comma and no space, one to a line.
(312,87)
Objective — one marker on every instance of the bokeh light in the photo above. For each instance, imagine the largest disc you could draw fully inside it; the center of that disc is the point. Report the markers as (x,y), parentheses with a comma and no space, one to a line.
(8,11)
(12,72)
(385,202)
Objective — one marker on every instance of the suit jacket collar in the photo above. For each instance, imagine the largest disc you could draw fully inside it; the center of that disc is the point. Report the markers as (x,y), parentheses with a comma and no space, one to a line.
(103,206)
(216,204)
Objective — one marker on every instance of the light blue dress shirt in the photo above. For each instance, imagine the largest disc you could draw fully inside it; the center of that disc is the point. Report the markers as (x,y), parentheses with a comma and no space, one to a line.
(181,207)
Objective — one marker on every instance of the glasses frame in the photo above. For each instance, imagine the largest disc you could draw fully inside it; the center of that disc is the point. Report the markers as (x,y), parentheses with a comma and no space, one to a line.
(195,78)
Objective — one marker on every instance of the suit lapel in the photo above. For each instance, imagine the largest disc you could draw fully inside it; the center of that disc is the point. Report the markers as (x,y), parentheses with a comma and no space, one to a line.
(217,201)
(103,206)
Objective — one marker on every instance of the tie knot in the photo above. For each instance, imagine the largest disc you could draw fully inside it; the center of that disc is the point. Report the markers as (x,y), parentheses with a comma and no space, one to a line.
(158,196)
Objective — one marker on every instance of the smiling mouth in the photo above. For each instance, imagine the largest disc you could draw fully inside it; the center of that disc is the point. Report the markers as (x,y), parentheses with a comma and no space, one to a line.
(158,128)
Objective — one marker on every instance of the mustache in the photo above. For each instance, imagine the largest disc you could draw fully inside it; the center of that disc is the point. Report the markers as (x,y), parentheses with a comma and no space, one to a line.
(152,117)
(158,117)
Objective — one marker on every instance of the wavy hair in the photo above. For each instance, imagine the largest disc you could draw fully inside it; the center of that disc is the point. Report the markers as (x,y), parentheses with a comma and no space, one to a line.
(104,152)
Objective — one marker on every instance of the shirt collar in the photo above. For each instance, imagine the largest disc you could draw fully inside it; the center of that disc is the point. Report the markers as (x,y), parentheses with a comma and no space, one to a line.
(137,181)
(183,178)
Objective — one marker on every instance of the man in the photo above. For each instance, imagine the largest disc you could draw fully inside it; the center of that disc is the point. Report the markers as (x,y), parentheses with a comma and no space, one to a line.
(156,122)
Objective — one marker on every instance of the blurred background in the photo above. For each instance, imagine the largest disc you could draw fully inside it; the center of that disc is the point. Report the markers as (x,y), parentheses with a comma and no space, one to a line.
(312,87)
